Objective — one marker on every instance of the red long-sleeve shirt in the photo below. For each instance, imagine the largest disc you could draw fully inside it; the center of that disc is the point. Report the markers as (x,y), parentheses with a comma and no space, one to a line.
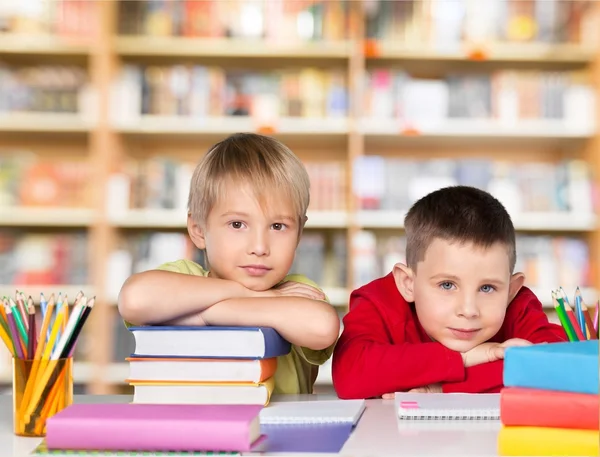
(383,347)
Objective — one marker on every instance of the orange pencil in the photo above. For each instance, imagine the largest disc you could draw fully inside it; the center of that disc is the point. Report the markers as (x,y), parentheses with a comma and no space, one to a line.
(574,323)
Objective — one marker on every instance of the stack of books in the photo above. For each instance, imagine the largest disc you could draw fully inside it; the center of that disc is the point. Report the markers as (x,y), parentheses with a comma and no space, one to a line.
(205,365)
(549,405)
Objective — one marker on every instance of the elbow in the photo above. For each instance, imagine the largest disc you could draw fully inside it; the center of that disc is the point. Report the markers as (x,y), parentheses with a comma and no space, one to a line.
(346,377)
(327,330)
(130,301)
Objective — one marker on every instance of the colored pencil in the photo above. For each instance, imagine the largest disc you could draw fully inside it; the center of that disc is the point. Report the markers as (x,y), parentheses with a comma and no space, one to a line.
(563,317)
(590,330)
(573,320)
(31,330)
(21,307)
(579,315)
(18,320)
(18,343)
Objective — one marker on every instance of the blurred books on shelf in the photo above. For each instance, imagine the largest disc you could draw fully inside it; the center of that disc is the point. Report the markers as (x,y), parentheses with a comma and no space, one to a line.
(446,25)
(206,92)
(507,97)
(68,19)
(565,189)
(274,21)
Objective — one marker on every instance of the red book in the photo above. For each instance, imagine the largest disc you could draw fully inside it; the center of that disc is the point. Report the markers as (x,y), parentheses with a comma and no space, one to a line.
(548,408)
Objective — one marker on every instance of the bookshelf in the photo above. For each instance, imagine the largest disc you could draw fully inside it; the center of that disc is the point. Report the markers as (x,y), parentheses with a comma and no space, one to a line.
(109,142)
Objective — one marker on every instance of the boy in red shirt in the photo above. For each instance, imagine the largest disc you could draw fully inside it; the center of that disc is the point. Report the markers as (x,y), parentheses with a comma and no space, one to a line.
(441,322)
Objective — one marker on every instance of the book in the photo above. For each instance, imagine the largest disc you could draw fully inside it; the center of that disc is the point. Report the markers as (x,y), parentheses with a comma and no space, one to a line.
(455,406)
(534,441)
(42,451)
(208,342)
(313,412)
(548,408)
(201,370)
(565,367)
(230,393)
(132,427)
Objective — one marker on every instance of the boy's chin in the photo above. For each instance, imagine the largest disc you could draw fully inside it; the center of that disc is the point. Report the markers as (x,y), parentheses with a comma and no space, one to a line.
(459,345)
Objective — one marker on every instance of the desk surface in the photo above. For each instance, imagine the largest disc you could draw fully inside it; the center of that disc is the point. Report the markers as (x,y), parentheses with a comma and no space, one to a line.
(379,432)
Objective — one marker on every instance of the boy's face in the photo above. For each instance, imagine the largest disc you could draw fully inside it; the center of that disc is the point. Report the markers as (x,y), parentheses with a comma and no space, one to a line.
(460,291)
(247,243)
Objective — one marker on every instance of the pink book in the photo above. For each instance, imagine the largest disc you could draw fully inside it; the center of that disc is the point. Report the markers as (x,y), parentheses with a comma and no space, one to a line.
(149,427)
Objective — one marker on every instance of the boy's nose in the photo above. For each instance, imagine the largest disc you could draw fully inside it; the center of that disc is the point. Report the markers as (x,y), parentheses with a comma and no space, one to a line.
(468,308)
(260,244)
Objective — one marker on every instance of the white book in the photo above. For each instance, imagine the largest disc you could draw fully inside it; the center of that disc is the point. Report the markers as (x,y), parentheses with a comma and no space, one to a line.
(458,406)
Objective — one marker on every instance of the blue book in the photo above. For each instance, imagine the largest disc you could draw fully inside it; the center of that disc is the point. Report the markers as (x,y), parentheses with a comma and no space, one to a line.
(208,342)
(565,367)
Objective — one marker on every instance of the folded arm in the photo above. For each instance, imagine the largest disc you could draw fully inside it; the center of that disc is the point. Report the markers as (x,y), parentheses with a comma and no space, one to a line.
(161,297)
(313,324)
(367,364)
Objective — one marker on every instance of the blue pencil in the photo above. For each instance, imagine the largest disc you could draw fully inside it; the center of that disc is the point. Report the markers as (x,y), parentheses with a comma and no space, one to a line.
(579,314)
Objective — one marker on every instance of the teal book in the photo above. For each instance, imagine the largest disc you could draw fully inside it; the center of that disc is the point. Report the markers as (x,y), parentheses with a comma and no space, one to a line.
(565,367)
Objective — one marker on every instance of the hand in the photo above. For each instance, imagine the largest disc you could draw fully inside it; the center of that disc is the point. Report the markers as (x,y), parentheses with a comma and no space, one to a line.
(430,389)
(490,352)
(296,289)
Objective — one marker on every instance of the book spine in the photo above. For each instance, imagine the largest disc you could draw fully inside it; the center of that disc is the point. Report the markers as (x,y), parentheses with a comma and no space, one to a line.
(275,345)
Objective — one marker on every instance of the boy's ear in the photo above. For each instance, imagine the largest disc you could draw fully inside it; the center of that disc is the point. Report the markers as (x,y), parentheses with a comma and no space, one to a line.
(516,282)
(303,220)
(405,279)
(196,232)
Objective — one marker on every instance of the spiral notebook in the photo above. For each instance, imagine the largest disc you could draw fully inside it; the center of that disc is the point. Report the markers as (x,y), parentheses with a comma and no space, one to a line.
(313,412)
(455,406)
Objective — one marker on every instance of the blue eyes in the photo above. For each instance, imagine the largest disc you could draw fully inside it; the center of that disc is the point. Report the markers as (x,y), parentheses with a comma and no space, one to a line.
(486,288)
(237,225)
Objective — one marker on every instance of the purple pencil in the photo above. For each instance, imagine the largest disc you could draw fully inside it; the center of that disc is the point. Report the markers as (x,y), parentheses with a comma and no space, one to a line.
(12,326)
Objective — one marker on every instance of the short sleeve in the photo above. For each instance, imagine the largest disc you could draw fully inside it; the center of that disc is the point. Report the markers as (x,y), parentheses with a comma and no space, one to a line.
(312,356)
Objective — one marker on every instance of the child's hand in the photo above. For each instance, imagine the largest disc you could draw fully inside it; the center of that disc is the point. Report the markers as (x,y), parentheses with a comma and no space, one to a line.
(430,389)
(297,289)
(490,352)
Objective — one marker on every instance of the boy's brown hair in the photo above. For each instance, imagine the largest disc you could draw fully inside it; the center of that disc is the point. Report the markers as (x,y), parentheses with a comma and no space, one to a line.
(458,214)
(265,164)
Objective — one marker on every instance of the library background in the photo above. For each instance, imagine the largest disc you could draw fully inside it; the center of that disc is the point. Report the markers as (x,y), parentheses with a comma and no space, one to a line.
(106,106)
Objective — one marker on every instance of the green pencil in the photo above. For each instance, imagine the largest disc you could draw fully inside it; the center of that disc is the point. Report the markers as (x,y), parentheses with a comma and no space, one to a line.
(19,321)
(563,318)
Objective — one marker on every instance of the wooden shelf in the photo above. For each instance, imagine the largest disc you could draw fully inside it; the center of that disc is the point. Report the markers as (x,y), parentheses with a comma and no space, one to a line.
(46,217)
(140,46)
(44,123)
(532,222)
(150,125)
(543,130)
(48,289)
(42,44)
(505,53)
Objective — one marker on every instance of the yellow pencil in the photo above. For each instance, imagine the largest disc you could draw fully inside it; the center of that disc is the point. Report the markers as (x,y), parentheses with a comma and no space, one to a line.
(46,367)
(7,341)
(36,357)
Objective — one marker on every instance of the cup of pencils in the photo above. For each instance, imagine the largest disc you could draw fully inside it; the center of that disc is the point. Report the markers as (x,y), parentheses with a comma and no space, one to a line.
(576,319)
(42,361)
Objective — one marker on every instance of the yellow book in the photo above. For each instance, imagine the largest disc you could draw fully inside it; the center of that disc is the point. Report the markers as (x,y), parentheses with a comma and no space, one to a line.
(222,393)
(548,441)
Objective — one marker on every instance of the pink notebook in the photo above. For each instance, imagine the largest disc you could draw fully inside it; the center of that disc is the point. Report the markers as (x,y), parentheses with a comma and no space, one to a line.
(149,427)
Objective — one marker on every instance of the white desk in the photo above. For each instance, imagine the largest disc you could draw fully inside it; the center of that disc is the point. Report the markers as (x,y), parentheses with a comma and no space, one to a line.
(379,432)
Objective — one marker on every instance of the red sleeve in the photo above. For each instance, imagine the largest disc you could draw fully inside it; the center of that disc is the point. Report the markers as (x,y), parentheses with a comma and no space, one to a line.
(366,363)
(526,319)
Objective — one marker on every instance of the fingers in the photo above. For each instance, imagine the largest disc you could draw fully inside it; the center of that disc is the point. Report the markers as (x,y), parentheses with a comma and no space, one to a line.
(419,390)
(303,290)
(388,396)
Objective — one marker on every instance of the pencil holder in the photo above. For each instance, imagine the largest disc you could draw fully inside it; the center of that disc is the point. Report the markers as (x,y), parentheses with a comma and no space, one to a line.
(41,388)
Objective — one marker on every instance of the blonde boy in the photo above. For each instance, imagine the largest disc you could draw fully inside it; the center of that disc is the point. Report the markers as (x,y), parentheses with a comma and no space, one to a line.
(247,208)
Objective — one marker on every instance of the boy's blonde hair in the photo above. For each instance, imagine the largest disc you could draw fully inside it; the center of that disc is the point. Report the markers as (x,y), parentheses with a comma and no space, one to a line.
(265,164)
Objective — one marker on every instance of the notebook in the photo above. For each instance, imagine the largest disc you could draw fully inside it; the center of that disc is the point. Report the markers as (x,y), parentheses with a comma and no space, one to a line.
(313,412)
(455,406)
(208,342)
